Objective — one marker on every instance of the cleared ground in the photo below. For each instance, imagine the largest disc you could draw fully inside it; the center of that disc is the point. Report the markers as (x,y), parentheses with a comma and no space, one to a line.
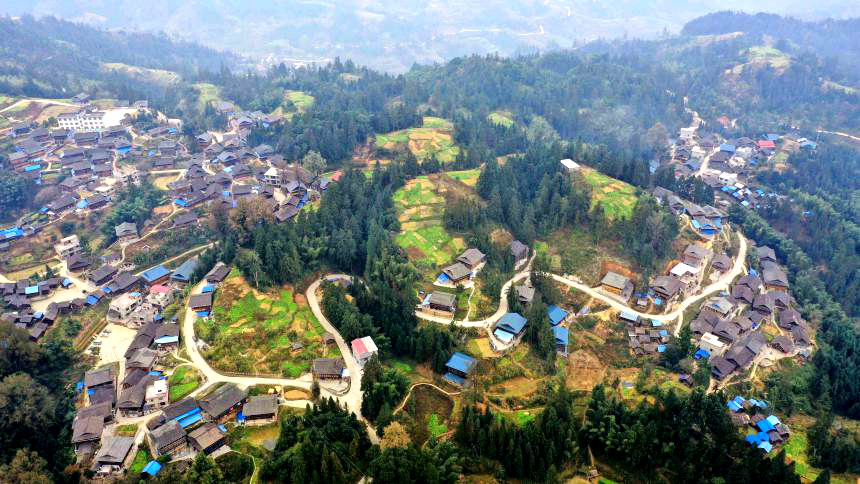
(420,205)
(254,333)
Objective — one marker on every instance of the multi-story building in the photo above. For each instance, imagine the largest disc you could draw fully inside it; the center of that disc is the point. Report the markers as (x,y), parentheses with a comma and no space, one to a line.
(83,121)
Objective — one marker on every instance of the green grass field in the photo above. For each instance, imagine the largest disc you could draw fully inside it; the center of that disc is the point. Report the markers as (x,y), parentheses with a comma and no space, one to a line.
(765,54)
(432,139)
(300,99)
(139,462)
(502,118)
(126,430)
(155,75)
(796,449)
(618,198)
(182,381)
(469,177)
(209,93)
(253,333)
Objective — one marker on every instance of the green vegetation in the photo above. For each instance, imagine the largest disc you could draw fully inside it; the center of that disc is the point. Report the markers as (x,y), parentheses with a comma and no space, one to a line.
(502,118)
(301,100)
(128,430)
(617,197)
(763,54)
(159,76)
(255,333)
(469,177)
(209,95)
(437,123)
(796,449)
(435,426)
(182,382)
(140,460)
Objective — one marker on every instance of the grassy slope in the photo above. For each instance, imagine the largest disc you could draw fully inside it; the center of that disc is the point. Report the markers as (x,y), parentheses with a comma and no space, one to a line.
(433,138)
(618,198)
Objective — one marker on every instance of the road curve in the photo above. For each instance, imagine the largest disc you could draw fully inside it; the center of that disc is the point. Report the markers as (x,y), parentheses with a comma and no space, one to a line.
(721,284)
(353,397)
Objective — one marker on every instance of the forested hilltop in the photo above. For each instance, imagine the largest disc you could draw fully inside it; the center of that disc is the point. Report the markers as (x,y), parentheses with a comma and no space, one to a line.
(503,125)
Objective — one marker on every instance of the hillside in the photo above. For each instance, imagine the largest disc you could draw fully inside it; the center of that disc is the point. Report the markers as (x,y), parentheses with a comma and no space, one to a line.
(393,35)
(35,51)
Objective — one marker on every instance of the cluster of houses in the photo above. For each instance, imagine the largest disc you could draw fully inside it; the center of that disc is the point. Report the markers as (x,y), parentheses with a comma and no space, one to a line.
(18,298)
(464,268)
(707,221)
(244,121)
(181,429)
(729,326)
(158,288)
(683,279)
(767,432)
(643,335)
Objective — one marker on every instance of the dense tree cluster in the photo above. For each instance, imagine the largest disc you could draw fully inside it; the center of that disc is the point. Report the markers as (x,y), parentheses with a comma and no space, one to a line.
(326,445)
(383,389)
(134,204)
(35,401)
(537,450)
(687,439)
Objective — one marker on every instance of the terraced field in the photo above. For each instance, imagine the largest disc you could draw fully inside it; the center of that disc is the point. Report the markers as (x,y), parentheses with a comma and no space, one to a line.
(422,235)
(433,138)
(617,197)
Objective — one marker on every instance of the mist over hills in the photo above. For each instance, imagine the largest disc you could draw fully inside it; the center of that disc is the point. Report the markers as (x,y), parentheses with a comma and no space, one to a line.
(393,35)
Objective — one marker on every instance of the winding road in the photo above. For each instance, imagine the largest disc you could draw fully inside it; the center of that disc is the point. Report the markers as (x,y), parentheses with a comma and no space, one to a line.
(722,284)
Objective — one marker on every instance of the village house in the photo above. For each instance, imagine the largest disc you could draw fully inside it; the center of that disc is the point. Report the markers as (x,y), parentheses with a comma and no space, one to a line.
(617,284)
(126,232)
(720,306)
(667,287)
(218,273)
(327,368)
(570,165)
(520,251)
(525,294)
(207,438)
(102,275)
(156,396)
(712,344)
(222,401)
(363,349)
(721,263)
(456,272)
(201,303)
(156,275)
(442,301)
(472,258)
(67,247)
(261,410)
(774,278)
(510,327)
(458,367)
(696,255)
(120,308)
(114,456)
(86,433)
(169,439)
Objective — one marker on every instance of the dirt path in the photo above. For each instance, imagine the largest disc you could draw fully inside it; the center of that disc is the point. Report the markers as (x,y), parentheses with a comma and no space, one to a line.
(409,394)
(40,101)
(840,133)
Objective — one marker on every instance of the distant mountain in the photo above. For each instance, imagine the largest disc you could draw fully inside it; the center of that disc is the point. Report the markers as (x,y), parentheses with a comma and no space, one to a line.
(54,58)
(394,34)
(831,38)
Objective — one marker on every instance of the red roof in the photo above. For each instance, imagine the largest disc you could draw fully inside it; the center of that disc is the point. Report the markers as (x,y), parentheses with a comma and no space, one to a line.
(766,144)
(336,175)
(159,289)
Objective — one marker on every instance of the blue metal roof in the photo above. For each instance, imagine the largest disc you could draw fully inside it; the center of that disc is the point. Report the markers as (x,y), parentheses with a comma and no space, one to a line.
(92,300)
(561,335)
(461,362)
(31,290)
(628,316)
(765,425)
(152,467)
(455,379)
(503,335)
(193,419)
(193,411)
(155,273)
(167,340)
(184,272)
(512,323)
(208,288)
(556,314)
(728,148)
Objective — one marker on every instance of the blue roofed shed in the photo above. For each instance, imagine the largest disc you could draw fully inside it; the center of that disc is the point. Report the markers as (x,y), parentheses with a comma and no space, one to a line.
(561,338)
(503,335)
(461,364)
(512,323)
(728,148)
(556,315)
(151,468)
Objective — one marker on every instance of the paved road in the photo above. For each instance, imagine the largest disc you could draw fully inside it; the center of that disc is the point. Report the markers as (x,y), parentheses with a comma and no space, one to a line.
(840,133)
(353,397)
(213,376)
(721,284)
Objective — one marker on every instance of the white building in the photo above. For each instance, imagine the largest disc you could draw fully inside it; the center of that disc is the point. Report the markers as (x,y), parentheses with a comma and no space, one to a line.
(687,133)
(363,349)
(712,344)
(273,177)
(83,121)
(121,308)
(156,396)
(570,165)
(68,247)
